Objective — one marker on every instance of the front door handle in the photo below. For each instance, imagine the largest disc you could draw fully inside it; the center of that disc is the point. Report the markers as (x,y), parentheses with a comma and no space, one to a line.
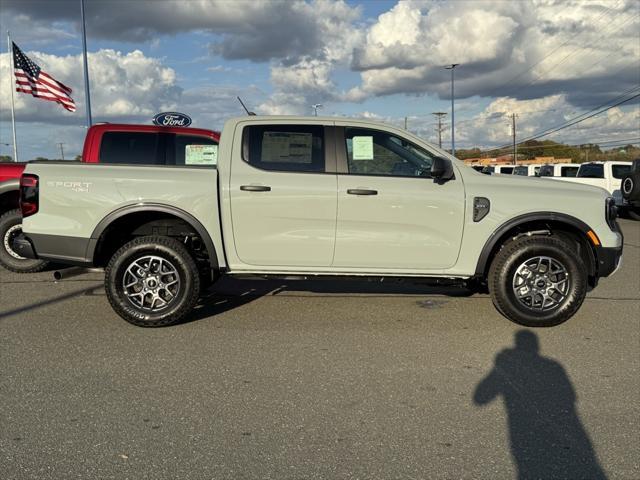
(361,191)
(255,188)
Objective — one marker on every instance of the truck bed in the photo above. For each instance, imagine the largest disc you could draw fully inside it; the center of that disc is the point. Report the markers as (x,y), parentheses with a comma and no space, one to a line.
(76,197)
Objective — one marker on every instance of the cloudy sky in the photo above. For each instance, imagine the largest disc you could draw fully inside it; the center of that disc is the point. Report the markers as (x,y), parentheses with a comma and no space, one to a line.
(546,60)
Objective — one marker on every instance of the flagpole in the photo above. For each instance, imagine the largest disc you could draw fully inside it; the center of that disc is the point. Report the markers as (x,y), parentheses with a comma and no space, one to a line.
(87,95)
(13,107)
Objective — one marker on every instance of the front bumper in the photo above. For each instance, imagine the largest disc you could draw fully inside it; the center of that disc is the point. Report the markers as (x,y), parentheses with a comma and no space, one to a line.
(609,260)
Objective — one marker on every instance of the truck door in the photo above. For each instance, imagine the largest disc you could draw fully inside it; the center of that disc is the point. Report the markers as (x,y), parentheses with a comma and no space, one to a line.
(391,214)
(284,196)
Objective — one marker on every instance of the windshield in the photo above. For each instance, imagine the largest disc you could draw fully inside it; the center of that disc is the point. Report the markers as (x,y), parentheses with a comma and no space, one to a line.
(591,170)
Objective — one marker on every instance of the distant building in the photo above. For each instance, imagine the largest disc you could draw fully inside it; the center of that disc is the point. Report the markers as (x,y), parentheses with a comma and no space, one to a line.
(508,160)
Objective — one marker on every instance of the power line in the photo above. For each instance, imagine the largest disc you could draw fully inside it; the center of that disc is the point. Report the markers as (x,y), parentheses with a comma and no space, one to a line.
(575,120)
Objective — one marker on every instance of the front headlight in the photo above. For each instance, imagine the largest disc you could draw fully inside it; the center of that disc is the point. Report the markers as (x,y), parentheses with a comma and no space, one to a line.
(611,213)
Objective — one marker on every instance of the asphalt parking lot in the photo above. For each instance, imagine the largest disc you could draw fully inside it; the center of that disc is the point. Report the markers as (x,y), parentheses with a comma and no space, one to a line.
(316,380)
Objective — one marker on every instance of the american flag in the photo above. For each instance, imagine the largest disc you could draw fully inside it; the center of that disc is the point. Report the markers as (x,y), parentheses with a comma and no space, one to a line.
(30,78)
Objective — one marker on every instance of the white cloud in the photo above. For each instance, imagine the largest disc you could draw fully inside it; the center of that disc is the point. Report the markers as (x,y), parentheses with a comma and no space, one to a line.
(308,80)
(522,49)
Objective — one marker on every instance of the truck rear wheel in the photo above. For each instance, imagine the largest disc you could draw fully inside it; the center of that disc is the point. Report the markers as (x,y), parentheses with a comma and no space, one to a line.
(152,281)
(11,227)
(538,281)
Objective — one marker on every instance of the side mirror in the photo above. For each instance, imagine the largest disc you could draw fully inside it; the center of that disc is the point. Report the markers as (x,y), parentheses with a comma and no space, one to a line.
(441,169)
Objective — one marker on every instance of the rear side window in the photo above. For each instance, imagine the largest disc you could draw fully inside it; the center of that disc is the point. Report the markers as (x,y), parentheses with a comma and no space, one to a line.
(195,150)
(506,170)
(619,171)
(569,171)
(137,148)
(594,170)
(285,148)
(524,171)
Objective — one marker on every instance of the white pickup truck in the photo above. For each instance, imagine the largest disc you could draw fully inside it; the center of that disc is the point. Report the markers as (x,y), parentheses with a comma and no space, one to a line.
(323,197)
(607,175)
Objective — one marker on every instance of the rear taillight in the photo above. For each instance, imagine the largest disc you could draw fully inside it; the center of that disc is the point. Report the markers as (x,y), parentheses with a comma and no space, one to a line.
(28,194)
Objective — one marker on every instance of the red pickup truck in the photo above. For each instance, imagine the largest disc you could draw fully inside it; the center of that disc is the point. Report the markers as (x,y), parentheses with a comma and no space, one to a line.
(104,143)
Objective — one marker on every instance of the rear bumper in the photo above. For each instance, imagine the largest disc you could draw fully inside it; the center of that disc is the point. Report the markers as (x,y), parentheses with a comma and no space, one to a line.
(23,247)
(609,260)
(65,250)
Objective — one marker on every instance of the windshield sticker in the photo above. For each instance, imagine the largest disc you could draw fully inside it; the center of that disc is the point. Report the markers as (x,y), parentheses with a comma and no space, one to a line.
(363,148)
(201,155)
(295,147)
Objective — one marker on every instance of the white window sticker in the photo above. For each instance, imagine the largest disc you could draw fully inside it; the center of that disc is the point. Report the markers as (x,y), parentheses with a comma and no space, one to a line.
(201,155)
(293,147)
(362,148)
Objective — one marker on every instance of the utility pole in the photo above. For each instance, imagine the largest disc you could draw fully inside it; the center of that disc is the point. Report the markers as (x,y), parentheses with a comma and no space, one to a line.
(513,132)
(61,149)
(439,116)
(453,118)
(405,123)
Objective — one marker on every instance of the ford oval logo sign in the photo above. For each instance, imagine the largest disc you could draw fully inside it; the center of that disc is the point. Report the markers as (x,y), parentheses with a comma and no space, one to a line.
(172,119)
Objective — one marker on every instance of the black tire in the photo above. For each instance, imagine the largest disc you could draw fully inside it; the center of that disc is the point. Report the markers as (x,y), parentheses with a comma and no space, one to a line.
(10,226)
(176,258)
(514,257)
(634,213)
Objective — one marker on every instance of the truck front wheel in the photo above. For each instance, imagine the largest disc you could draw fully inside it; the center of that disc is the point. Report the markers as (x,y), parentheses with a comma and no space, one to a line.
(152,281)
(538,281)
(11,227)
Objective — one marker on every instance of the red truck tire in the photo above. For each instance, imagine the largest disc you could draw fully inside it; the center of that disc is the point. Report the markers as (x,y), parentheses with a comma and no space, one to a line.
(10,227)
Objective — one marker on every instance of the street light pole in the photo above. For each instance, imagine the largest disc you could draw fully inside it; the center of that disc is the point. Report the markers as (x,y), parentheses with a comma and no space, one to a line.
(453,118)
(316,106)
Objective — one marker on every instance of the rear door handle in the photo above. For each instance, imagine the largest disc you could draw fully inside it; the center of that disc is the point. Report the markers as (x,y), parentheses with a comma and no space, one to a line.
(361,191)
(255,188)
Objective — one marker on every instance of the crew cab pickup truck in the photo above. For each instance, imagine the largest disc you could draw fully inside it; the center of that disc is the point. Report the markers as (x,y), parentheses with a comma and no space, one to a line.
(607,175)
(104,143)
(323,197)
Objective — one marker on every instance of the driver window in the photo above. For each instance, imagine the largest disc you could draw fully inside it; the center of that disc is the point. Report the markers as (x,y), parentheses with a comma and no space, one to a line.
(373,152)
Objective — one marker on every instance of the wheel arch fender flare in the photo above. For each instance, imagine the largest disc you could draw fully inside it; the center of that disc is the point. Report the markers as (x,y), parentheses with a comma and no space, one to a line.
(9,190)
(499,233)
(153,207)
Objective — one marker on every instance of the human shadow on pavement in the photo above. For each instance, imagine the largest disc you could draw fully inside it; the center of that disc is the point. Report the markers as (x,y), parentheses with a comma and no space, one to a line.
(547,438)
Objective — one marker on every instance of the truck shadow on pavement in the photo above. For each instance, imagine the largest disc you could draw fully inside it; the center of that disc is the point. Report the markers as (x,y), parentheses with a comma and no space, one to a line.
(231,293)
(547,437)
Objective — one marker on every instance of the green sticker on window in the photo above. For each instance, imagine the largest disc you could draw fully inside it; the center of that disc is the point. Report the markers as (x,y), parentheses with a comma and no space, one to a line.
(201,155)
(362,148)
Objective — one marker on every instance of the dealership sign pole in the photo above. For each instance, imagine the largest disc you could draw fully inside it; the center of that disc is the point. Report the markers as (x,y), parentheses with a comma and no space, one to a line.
(13,107)
(86,66)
